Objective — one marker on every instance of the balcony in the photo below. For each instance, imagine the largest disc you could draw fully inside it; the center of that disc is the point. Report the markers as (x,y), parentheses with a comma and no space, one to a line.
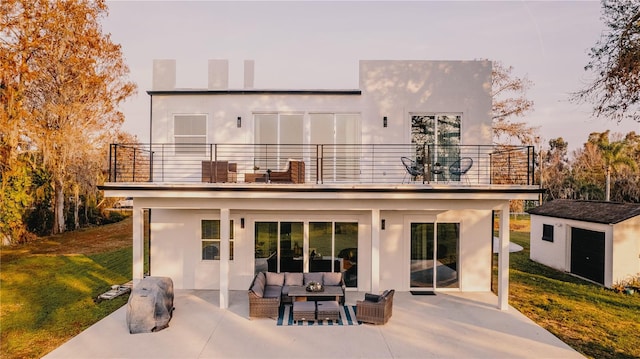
(244,164)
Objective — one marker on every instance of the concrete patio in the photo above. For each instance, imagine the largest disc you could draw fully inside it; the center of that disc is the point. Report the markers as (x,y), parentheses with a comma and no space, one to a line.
(447,325)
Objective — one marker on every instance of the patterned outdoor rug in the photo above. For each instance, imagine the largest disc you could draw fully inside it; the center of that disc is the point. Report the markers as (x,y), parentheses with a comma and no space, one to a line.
(347,317)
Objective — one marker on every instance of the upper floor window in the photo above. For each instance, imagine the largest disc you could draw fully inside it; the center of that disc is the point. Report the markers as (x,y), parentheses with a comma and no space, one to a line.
(282,129)
(190,134)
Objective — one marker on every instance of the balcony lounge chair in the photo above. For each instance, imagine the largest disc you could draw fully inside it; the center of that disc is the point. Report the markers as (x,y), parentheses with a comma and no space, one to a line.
(413,168)
(219,171)
(375,309)
(295,173)
(460,167)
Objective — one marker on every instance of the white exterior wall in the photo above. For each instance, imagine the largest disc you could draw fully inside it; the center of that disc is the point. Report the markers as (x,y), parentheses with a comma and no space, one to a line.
(395,89)
(626,249)
(176,248)
(222,112)
(557,254)
(176,242)
(474,252)
(553,254)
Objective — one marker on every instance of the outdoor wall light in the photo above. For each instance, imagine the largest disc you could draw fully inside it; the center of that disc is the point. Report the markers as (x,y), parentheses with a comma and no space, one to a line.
(239,122)
(384,121)
(242,222)
(383,224)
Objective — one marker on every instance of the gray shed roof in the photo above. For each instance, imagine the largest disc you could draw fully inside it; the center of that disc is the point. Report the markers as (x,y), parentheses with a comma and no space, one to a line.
(588,211)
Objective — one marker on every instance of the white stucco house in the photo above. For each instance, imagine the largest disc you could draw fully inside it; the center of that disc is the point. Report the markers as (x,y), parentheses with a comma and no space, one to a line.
(394,182)
(599,241)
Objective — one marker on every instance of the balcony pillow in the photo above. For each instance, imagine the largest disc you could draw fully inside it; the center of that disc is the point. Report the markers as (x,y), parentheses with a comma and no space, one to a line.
(332,278)
(275,279)
(293,278)
(312,277)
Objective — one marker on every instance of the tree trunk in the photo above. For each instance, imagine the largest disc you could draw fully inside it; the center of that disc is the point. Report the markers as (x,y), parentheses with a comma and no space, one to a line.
(607,185)
(76,210)
(58,208)
(86,210)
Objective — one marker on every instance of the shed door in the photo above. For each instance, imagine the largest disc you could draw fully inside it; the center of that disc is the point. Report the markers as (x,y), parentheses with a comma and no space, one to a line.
(587,254)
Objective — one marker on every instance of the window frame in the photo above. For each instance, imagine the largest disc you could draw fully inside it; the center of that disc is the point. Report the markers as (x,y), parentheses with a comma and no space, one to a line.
(197,148)
(547,232)
(215,241)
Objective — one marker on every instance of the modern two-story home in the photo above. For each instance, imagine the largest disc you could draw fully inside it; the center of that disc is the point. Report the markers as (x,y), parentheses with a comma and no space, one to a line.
(394,183)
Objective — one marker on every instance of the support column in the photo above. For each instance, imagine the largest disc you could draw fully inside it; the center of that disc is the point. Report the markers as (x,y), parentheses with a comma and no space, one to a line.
(225,233)
(375,250)
(138,244)
(503,258)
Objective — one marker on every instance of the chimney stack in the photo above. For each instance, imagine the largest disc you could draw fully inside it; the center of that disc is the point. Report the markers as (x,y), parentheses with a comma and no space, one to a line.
(249,69)
(164,75)
(218,74)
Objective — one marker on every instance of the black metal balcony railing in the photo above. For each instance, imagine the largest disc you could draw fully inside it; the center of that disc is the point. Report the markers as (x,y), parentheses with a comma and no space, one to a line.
(321,164)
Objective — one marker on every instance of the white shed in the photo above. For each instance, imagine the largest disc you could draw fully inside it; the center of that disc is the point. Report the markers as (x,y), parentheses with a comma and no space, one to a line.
(599,241)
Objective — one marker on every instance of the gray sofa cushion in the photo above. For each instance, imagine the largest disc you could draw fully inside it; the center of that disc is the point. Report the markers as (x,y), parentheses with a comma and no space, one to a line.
(312,277)
(272,291)
(275,279)
(293,279)
(330,278)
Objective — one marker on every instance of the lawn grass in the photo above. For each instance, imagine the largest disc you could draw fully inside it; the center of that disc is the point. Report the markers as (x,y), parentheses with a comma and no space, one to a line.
(595,321)
(47,288)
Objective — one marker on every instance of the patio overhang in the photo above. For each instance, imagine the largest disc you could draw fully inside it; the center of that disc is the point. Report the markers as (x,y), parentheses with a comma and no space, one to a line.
(371,199)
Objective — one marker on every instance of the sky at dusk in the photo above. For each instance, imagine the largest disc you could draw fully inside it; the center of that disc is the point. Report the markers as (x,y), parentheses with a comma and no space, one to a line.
(317,45)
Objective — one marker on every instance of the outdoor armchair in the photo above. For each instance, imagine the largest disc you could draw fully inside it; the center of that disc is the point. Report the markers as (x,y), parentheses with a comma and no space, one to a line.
(413,168)
(460,168)
(375,309)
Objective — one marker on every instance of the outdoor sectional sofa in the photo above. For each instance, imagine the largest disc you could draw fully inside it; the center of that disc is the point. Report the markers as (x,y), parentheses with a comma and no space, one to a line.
(269,290)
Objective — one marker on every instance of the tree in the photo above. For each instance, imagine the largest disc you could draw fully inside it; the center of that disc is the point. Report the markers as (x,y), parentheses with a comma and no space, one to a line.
(509,101)
(555,169)
(15,158)
(614,156)
(587,173)
(615,59)
(626,185)
(76,79)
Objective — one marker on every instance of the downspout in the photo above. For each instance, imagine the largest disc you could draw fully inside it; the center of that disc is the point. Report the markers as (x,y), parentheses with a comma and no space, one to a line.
(150,123)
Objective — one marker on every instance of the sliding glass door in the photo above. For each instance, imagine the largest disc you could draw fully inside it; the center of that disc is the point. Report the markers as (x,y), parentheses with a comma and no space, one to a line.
(329,247)
(434,255)
(439,134)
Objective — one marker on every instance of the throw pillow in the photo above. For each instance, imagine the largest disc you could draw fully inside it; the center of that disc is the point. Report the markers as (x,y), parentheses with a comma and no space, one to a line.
(312,277)
(293,278)
(260,279)
(258,289)
(370,297)
(332,278)
(275,279)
